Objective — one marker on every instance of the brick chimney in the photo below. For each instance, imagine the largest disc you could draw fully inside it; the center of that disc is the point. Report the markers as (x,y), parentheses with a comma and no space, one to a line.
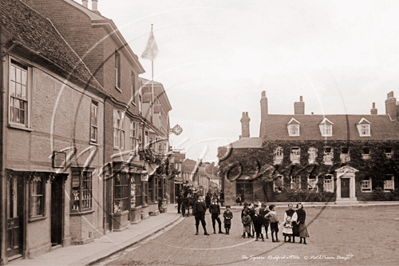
(245,125)
(373,110)
(390,106)
(84,3)
(299,107)
(263,114)
(94,5)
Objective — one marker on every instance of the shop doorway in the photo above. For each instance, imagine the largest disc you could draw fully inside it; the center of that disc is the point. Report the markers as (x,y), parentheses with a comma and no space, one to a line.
(56,211)
(15,216)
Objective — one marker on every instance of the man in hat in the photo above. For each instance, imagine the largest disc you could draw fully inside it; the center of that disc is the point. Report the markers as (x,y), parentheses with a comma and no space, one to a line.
(199,213)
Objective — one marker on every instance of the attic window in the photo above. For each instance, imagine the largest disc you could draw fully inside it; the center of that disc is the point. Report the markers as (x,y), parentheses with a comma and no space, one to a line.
(326,128)
(364,128)
(293,127)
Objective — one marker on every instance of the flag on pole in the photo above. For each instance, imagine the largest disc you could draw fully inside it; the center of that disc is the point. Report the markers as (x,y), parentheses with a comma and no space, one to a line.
(151,50)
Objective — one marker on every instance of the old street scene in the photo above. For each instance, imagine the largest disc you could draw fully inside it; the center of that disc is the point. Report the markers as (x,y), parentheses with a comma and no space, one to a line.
(199,132)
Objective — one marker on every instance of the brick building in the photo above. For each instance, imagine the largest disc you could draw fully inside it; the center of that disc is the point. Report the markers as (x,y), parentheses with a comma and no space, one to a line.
(309,157)
(130,123)
(52,132)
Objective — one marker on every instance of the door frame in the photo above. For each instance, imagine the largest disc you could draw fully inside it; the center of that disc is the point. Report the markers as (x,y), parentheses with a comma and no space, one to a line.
(347,172)
(343,187)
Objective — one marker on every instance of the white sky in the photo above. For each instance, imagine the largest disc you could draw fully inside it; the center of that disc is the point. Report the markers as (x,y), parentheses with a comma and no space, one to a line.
(217,56)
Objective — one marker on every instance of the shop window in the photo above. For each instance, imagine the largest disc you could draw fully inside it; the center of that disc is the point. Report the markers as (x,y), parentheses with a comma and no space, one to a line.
(121,192)
(94,122)
(295,155)
(151,188)
(136,188)
(18,94)
(37,189)
(328,185)
(366,185)
(328,155)
(312,155)
(388,152)
(389,183)
(81,194)
(366,153)
(279,155)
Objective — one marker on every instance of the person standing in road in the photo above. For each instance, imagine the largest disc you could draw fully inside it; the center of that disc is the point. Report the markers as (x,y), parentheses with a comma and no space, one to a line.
(214,209)
(208,200)
(179,200)
(228,215)
(300,218)
(199,210)
(262,212)
(274,221)
(289,213)
(257,222)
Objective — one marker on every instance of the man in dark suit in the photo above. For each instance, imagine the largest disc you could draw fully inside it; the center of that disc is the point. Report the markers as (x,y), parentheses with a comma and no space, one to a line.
(199,213)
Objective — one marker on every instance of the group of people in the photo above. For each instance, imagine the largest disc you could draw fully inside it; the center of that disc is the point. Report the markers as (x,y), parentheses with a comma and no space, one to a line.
(200,209)
(255,217)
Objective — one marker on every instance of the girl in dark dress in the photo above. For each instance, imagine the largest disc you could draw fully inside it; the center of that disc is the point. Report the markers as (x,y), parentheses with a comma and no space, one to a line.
(300,218)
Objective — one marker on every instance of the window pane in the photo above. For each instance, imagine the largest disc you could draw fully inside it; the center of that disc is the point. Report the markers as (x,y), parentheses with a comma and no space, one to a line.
(12,88)
(18,72)
(18,90)
(24,78)
(12,73)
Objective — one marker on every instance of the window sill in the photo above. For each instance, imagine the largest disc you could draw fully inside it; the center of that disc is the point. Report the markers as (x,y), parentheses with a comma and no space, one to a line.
(94,144)
(81,213)
(367,191)
(18,126)
(118,89)
(36,219)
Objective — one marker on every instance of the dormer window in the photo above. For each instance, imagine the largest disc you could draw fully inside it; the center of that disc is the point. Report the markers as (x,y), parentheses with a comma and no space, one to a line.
(364,128)
(326,127)
(293,127)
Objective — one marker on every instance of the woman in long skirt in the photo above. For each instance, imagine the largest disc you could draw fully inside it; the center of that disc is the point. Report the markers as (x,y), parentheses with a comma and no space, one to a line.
(300,217)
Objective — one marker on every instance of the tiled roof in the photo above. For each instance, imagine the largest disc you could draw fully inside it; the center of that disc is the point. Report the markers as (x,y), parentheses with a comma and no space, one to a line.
(29,29)
(344,128)
(247,143)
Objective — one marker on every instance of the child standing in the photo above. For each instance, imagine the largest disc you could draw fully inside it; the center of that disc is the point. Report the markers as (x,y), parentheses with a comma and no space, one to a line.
(246,222)
(287,231)
(228,215)
(258,222)
(272,215)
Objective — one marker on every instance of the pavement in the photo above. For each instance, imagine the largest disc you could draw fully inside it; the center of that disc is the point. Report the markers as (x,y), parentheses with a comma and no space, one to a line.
(114,242)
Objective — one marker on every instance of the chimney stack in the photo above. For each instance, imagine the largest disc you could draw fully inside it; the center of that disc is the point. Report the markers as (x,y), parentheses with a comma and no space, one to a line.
(84,3)
(299,107)
(245,125)
(390,106)
(94,5)
(373,110)
(263,114)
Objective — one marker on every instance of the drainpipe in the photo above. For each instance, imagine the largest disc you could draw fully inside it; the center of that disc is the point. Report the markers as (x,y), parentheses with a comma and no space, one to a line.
(3,184)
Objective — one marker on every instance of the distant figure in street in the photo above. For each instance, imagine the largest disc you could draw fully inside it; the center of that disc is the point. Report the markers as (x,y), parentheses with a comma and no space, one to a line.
(238,200)
(228,216)
(288,214)
(273,222)
(221,198)
(208,200)
(199,210)
(179,200)
(262,212)
(214,209)
(246,223)
(287,231)
(184,206)
(252,213)
(258,222)
(300,218)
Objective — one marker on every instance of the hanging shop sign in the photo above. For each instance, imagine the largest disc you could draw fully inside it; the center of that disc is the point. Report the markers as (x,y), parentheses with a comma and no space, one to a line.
(58,159)
(144,178)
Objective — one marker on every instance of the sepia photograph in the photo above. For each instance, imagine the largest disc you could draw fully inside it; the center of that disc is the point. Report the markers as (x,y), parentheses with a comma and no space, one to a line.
(199,133)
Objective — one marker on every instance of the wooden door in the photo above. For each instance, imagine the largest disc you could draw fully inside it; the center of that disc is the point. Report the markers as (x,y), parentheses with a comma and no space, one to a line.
(56,211)
(345,187)
(15,204)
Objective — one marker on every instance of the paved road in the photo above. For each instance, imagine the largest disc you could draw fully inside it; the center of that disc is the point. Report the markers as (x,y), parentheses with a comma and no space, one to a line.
(339,236)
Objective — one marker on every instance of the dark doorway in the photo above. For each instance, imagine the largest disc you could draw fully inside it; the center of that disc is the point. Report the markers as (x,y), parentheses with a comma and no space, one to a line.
(56,211)
(345,187)
(245,190)
(15,215)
